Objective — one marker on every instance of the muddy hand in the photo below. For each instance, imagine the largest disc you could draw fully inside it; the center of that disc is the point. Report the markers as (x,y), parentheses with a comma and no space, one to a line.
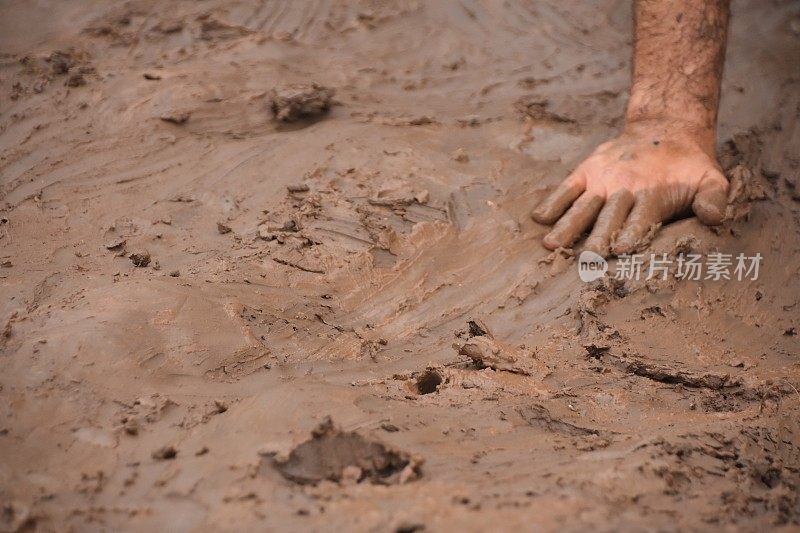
(628,186)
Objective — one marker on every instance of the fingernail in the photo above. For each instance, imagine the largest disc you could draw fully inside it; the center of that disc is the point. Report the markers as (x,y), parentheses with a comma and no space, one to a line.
(551,242)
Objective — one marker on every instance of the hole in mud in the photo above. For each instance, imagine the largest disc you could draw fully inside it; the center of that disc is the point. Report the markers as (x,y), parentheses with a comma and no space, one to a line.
(428,382)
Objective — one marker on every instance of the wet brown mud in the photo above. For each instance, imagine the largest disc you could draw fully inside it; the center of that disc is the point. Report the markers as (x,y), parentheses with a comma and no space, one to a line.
(189,287)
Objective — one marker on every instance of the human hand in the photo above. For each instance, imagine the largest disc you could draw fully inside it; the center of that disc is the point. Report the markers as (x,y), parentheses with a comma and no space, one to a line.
(631,184)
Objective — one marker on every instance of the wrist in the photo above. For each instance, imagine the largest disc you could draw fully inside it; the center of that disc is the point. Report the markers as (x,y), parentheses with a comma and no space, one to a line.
(667,127)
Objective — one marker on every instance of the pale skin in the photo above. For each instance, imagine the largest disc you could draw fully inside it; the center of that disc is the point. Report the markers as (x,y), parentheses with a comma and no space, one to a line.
(663,162)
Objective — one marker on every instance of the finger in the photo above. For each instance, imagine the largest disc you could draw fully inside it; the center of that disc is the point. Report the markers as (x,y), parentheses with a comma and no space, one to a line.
(711,198)
(578,219)
(559,200)
(646,212)
(610,219)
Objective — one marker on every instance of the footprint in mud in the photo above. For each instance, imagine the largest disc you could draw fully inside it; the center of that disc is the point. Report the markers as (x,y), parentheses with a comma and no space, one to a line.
(335,455)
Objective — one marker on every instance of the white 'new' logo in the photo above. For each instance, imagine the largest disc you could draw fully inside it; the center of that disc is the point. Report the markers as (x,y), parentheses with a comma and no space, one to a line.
(591,266)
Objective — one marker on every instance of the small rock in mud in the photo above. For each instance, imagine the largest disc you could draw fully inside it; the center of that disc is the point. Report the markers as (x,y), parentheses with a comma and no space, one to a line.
(164,453)
(297,187)
(223,228)
(296,102)
(140,259)
(334,455)
(116,245)
(388,426)
(178,118)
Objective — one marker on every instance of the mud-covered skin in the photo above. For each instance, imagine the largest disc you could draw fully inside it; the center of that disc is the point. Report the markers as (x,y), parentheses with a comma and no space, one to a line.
(663,162)
(646,175)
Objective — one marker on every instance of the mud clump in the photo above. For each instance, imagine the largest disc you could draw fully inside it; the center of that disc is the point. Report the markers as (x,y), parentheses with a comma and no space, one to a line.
(116,245)
(176,117)
(296,102)
(297,188)
(334,455)
(674,376)
(486,352)
(140,259)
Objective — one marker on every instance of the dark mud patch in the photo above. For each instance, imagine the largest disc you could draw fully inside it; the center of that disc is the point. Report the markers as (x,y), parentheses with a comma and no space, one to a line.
(334,455)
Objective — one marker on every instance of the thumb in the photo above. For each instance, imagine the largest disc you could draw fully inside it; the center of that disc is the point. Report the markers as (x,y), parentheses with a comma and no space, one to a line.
(711,198)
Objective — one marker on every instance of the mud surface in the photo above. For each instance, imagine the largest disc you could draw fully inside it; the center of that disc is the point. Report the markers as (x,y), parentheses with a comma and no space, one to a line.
(190,286)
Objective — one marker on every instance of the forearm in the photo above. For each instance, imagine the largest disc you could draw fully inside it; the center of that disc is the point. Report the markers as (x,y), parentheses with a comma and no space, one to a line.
(679,51)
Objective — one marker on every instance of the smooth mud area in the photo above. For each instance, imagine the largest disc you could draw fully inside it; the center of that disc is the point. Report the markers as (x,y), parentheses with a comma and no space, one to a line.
(270,266)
